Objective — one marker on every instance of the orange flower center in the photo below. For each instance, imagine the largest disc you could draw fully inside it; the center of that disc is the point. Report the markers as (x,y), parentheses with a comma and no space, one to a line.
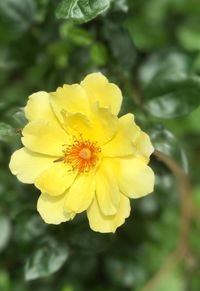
(82,155)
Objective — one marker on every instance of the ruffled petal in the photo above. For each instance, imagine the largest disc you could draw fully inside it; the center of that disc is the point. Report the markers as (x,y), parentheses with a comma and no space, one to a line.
(44,137)
(27,166)
(134,177)
(107,191)
(69,99)
(104,125)
(78,125)
(51,209)
(99,90)
(38,107)
(93,128)
(80,194)
(143,145)
(108,223)
(122,142)
(56,179)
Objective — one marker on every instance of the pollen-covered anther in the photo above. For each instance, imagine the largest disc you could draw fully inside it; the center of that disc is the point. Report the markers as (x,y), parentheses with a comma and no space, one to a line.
(82,155)
(85,153)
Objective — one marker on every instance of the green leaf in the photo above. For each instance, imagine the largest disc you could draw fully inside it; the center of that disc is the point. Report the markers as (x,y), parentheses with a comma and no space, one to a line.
(145,34)
(46,259)
(99,54)
(79,36)
(28,226)
(7,132)
(120,5)
(166,142)
(16,16)
(189,36)
(81,10)
(5,227)
(170,88)
(181,101)
(19,118)
(121,47)
(7,60)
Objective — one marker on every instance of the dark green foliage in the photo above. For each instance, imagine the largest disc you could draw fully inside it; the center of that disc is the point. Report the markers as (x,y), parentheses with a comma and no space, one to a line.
(151,49)
(81,10)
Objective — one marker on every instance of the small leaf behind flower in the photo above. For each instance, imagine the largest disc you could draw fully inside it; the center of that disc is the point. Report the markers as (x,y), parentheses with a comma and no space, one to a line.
(7,132)
(46,259)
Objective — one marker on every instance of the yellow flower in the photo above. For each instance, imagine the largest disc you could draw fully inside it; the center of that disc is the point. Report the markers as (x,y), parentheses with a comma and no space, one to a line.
(82,156)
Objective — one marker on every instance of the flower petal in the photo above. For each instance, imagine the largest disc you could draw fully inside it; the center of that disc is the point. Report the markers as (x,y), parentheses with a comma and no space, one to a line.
(99,90)
(69,98)
(81,193)
(44,137)
(122,143)
(107,191)
(143,145)
(56,179)
(108,223)
(135,178)
(92,128)
(38,107)
(104,125)
(51,209)
(78,125)
(27,166)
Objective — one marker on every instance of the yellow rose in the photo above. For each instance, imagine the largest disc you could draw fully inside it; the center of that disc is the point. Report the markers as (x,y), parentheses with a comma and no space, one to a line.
(83,157)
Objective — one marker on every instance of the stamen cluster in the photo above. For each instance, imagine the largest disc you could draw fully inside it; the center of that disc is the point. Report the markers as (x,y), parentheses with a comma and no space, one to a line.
(82,155)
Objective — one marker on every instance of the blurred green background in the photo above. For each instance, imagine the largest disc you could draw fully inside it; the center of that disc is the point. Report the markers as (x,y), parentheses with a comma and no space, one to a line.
(151,49)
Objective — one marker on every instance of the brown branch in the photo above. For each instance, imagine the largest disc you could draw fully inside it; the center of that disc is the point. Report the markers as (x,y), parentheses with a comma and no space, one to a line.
(187,213)
(185,191)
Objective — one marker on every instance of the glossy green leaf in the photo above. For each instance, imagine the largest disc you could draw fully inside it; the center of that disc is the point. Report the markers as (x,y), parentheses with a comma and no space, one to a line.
(46,259)
(170,88)
(81,10)
(181,101)
(166,142)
